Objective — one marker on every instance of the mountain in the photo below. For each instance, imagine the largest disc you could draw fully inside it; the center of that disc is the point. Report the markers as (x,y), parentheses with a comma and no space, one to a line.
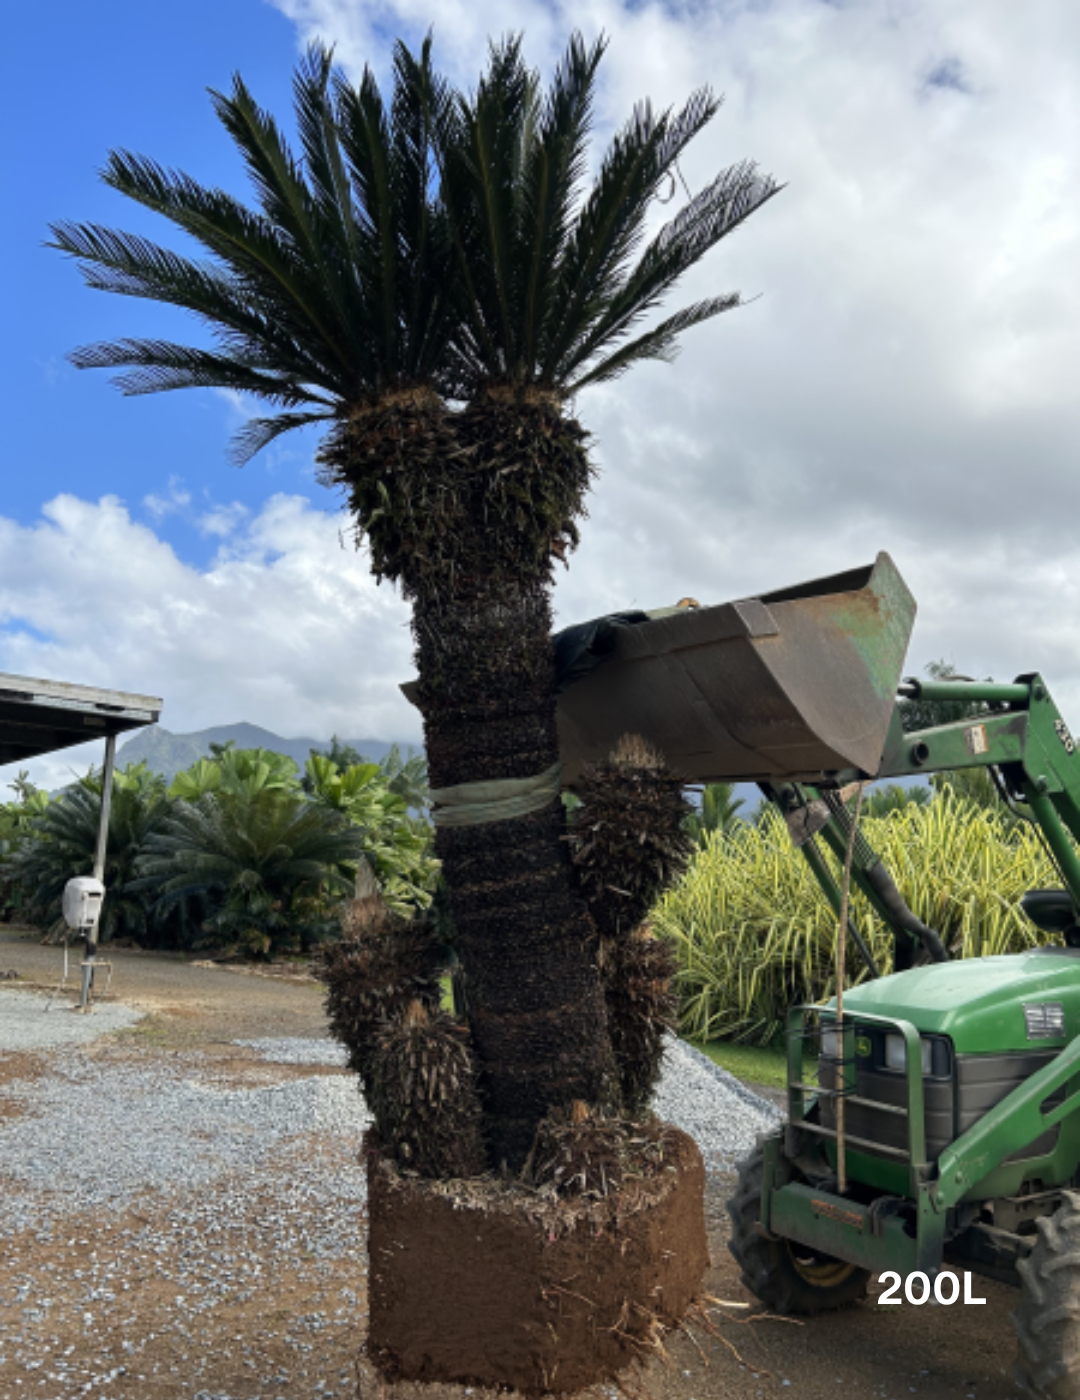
(168,753)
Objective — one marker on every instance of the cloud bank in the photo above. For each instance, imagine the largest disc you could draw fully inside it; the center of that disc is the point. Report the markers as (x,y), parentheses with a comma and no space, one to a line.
(906,380)
(284,628)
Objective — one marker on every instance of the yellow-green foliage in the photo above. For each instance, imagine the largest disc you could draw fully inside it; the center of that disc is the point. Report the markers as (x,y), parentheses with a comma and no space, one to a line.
(753,932)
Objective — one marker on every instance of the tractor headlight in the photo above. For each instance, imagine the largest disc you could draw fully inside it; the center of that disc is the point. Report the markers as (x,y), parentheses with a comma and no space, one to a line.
(896,1053)
(830,1043)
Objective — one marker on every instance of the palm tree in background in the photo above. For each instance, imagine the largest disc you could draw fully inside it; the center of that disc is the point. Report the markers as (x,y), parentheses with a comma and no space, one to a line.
(434,280)
(260,870)
(719,811)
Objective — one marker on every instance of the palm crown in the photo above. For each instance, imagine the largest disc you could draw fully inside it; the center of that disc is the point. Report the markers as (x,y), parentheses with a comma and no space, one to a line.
(330,292)
(555,280)
(445,241)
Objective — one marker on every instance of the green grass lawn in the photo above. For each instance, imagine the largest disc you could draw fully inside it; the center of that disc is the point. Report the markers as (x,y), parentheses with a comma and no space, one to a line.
(750,1062)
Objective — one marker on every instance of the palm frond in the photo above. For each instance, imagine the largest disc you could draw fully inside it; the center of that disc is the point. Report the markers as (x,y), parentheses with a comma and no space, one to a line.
(365,137)
(285,198)
(162,365)
(127,264)
(660,343)
(421,98)
(553,169)
(481,187)
(611,224)
(258,433)
(711,215)
(261,254)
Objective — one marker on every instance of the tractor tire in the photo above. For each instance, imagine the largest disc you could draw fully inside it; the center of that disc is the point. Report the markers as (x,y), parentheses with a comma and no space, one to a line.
(1047,1322)
(787,1277)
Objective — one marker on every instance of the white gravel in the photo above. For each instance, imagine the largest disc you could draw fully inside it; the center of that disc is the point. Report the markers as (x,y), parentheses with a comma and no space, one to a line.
(172,1232)
(25,1024)
(180,1129)
(723,1116)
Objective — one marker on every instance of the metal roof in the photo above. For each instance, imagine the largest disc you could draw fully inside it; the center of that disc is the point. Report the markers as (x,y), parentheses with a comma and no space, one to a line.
(38,716)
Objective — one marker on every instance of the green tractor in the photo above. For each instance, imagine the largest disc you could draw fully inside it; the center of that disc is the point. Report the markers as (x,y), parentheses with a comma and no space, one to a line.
(934,1116)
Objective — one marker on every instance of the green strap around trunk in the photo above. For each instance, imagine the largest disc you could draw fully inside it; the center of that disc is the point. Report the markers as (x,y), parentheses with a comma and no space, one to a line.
(470,804)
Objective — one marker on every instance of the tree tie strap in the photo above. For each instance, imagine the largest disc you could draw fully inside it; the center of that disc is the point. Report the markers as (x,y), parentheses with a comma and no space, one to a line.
(498,800)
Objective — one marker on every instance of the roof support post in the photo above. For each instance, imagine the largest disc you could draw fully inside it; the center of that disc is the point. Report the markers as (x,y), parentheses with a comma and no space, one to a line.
(106,804)
(99,866)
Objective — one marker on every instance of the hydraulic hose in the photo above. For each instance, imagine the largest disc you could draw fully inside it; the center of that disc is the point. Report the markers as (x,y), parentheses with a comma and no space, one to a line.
(885,889)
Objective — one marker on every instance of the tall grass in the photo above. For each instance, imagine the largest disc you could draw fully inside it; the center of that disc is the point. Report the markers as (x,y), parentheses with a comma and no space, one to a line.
(753,932)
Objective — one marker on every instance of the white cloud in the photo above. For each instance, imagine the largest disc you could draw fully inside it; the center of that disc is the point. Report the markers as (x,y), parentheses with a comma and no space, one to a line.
(285,628)
(175,501)
(906,382)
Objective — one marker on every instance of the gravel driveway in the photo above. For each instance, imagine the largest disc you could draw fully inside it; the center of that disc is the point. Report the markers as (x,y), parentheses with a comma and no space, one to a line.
(183,1212)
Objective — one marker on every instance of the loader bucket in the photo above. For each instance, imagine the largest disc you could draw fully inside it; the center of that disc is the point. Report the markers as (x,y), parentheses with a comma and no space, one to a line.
(798,684)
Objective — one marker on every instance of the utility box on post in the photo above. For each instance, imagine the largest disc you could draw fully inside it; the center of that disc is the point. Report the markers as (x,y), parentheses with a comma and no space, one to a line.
(83,898)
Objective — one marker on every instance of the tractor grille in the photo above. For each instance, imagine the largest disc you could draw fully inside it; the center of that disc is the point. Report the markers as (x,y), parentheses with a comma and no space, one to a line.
(984,1080)
(956,1096)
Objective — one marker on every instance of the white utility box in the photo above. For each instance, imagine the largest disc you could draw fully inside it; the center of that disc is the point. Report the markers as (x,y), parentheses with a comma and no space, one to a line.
(82,902)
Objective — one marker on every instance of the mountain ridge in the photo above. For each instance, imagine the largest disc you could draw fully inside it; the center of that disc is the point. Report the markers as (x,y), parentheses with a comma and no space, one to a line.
(168,753)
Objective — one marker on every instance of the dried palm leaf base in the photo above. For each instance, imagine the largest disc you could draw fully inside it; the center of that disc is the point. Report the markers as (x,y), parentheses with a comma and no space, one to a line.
(487,1282)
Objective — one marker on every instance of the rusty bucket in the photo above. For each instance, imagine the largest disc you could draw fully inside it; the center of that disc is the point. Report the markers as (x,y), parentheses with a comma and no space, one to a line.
(798,684)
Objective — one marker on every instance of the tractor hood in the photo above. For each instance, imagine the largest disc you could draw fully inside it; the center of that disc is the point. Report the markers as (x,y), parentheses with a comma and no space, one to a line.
(979,1002)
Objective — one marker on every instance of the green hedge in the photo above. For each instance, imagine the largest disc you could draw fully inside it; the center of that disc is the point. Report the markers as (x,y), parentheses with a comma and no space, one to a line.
(753,932)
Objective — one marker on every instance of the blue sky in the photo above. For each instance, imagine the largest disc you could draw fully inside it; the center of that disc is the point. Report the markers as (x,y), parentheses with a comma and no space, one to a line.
(905,379)
(138,81)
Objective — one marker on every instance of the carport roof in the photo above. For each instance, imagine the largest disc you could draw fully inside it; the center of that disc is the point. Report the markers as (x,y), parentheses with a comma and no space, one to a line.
(39,717)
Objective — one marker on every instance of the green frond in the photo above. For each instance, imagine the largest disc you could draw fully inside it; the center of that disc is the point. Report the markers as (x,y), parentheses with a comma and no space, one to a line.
(260,254)
(611,225)
(129,265)
(553,169)
(161,365)
(258,433)
(710,216)
(661,343)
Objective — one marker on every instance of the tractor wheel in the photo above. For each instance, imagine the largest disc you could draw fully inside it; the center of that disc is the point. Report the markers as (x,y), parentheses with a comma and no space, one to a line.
(1047,1322)
(788,1277)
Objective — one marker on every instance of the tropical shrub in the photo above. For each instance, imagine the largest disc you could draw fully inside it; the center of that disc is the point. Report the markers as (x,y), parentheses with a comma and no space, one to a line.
(395,848)
(260,872)
(16,823)
(753,933)
(61,841)
(719,811)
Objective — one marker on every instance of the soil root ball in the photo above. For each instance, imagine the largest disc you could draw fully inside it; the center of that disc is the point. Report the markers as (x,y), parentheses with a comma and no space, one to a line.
(581,1151)
(470,1278)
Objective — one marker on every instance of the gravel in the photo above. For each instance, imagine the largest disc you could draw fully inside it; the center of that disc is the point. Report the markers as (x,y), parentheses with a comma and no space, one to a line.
(182,1128)
(171,1230)
(25,1024)
(723,1116)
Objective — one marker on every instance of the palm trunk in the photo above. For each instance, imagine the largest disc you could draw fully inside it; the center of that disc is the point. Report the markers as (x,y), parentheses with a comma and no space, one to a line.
(525,939)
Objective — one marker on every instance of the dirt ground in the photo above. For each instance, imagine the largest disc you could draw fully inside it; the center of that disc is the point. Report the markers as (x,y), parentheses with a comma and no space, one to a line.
(126,1315)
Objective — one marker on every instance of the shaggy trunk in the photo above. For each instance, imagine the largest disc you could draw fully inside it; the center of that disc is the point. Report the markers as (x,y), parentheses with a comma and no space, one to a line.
(525,939)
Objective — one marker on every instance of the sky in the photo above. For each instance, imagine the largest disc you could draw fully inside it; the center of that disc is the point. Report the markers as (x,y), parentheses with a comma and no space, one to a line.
(903,377)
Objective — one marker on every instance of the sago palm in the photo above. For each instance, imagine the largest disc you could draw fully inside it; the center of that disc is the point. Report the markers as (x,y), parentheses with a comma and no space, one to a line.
(556,278)
(264,867)
(448,249)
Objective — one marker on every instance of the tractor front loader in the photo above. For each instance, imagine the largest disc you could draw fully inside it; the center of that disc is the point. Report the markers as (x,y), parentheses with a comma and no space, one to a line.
(934,1115)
